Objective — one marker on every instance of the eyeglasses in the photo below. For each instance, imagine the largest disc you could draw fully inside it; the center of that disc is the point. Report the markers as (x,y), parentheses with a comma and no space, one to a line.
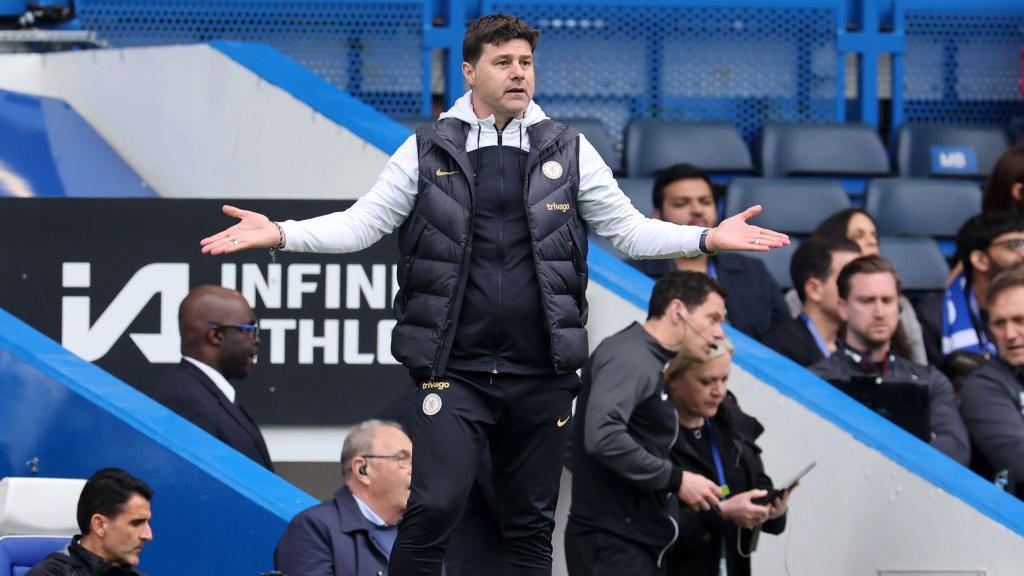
(402,459)
(252,329)
(1013,244)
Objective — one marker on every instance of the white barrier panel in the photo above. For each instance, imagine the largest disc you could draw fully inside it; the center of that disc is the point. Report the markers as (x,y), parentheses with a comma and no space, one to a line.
(195,123)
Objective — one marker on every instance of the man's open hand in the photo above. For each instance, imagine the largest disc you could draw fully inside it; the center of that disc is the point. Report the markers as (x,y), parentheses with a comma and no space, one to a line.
(734,234)
(254,230)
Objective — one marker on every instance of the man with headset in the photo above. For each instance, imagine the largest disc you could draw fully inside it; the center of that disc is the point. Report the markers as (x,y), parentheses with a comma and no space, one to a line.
(625,488)
(492,202)
(354,532)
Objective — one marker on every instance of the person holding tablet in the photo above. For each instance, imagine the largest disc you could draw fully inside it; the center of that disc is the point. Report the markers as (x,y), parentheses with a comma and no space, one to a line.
(716,440)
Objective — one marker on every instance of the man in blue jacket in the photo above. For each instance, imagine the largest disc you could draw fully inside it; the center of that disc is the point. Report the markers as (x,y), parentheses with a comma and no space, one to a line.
(353,533)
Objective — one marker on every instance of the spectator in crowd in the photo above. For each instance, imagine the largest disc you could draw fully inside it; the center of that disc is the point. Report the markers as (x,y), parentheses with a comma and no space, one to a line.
(219,338)
(683,195)
(811,337)
(354,532)
(956,320)
(992,399)
(716,440)
(1003,188)
(113,516)
(869,291)
(856,225)
(622,519)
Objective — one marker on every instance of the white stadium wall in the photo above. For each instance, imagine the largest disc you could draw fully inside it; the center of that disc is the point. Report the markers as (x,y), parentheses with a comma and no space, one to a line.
(236,121)
(211,127)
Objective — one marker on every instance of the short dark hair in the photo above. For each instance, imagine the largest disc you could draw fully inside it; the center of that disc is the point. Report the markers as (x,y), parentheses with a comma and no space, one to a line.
(690,288)
(979,232)
(676,173)
(495,29)
(106,492)
(1009,170)
(813,258)
(835,227)
(865,265)
(1006,280)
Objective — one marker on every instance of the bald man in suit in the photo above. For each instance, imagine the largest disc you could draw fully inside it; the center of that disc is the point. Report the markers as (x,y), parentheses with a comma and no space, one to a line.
(219,339)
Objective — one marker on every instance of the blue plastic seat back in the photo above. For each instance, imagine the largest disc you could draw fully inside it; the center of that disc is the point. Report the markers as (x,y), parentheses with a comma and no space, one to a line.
(822,150)
(918,261)
(652,145)
(18,554)
(777,261)
(791,205)
(949,150)
(922,207)
(597,135)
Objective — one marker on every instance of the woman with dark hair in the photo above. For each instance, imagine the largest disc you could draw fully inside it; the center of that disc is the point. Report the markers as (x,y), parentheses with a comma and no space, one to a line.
(716,440)
(859,227)
(1004,189)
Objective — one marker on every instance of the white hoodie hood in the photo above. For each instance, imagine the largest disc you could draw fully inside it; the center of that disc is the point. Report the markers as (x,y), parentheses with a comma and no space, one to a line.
(482,131)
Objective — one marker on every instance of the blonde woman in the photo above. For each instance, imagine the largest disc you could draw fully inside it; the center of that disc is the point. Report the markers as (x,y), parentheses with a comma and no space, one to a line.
(716,440)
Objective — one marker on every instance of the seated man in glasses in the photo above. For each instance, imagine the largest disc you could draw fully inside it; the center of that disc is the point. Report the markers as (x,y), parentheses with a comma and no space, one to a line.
(219,337)
(354,532)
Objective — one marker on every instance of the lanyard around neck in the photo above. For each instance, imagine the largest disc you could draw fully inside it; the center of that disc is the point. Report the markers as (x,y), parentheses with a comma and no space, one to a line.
(718,460)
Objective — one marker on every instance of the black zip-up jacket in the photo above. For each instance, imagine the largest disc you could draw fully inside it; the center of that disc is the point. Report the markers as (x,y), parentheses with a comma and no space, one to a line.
(623,430)
(701,534)
(993,410)
(77,561)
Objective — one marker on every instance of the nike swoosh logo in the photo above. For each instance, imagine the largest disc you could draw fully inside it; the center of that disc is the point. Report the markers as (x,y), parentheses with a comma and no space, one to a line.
(443,173)
(563,421)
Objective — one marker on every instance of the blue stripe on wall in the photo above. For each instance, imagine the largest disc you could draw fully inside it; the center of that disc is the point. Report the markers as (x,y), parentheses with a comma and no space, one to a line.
(327,99)
(818,396)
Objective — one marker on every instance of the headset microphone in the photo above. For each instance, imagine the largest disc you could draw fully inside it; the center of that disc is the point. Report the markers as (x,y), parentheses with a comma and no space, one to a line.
(709,341)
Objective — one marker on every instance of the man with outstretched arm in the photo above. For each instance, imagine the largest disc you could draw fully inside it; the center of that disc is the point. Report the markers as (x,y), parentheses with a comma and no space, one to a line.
(492,203)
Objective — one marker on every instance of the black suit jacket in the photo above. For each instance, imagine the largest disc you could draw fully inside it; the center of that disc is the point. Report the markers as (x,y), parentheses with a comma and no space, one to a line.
(793,340)
(189,392)
(755,303)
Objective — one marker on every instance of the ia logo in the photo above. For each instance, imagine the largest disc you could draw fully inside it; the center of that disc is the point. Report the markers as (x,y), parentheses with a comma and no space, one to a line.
(92,342)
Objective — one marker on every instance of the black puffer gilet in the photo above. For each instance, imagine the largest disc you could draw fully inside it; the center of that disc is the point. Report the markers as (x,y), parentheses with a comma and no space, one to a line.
(436,240)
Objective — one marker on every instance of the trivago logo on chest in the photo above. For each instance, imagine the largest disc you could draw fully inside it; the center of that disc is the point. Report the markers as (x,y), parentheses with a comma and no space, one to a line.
(311,311)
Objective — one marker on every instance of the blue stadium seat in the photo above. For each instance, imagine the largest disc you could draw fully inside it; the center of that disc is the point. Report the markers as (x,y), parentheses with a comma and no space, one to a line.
(949,150)
(652,145)
(18,554)
(921,207)
(918,261)
(597,135)
(777,261)
(791,205)
(822,150)
(851,152)
(37,517)
(639,192)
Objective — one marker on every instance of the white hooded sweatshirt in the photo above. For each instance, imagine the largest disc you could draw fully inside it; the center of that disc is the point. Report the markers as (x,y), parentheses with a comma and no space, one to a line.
(601,202)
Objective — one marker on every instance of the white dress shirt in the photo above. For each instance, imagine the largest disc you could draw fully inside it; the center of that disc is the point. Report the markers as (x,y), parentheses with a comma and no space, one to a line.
(218,379)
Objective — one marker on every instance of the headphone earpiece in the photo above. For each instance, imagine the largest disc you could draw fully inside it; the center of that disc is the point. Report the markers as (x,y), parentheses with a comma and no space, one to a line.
(362,470)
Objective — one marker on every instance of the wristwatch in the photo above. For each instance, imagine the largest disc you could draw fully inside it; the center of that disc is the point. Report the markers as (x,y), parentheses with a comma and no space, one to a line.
(703,244)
